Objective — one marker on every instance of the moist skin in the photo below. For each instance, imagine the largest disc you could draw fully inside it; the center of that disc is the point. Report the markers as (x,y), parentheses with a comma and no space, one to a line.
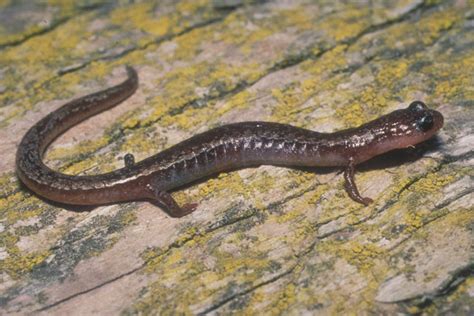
(227,147)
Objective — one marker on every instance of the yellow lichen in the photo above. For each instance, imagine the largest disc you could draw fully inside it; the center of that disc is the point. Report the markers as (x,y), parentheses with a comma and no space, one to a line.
(16,264)
(361,255)
(139,16)
(286,297)
(288,102)
(391,72)
(180,87)
(225,181)
(348,23)
(352,115)
(16,207)
(83,147)
(433,182)
(333,59)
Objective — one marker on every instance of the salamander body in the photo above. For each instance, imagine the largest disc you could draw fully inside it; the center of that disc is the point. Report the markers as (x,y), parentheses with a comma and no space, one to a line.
(227,147)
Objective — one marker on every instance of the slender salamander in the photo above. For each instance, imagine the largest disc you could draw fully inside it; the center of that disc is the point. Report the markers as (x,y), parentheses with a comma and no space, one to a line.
(223,148)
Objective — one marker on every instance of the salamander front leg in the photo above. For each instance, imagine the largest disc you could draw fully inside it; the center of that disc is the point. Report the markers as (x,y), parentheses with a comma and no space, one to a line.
(164,200)
(351,187)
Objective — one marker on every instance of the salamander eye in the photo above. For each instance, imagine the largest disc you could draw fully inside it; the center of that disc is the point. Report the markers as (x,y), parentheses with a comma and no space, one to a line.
(417,106)
(425,123)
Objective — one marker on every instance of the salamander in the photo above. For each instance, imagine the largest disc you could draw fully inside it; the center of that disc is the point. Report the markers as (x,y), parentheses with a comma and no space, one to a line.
(228,147)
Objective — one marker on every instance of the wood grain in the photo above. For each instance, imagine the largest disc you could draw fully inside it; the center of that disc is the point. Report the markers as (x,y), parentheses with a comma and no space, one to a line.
(263,240)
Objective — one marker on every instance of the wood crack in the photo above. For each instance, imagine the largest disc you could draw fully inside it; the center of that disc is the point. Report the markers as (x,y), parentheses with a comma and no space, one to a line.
(70,297)
(457,278)
(57,23)
(225,300)
(130,50)
(299,258)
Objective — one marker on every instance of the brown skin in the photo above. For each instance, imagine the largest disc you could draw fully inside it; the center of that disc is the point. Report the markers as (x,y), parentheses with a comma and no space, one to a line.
(227,147)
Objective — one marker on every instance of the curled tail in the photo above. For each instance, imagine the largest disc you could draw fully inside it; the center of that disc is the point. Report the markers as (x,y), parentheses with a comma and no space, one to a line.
(34,173)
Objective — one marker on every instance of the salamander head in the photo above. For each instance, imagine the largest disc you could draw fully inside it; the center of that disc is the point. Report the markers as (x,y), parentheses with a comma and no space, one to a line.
(406,127)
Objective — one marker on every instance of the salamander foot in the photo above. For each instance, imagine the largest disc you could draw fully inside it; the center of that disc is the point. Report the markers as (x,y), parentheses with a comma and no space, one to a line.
(164,200)
(351,187)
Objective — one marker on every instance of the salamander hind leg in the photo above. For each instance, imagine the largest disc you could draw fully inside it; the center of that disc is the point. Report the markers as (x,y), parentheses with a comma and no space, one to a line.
(351,187)
(164,200)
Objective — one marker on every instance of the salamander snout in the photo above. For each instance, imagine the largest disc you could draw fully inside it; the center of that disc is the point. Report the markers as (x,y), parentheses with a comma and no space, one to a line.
(408,127)
(426,121)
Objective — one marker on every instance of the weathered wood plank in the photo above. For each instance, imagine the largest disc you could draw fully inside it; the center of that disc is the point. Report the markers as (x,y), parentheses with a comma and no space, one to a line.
(265,239)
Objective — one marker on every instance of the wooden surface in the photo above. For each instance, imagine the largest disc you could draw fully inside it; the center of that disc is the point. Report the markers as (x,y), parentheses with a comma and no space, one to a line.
(263,240)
